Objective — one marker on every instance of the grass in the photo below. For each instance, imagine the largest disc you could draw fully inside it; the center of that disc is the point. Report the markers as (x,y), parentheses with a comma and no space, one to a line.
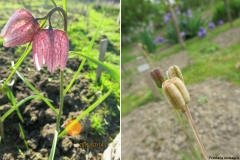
(133,101)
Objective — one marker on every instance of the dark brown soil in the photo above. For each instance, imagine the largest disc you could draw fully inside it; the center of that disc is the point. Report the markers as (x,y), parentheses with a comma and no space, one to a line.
(39,119)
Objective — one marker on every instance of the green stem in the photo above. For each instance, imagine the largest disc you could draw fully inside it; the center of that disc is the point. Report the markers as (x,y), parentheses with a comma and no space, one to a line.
(61,101)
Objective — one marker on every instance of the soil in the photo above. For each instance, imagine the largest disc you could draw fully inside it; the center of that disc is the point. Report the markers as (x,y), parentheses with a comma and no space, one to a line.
(153,132)
(39,119)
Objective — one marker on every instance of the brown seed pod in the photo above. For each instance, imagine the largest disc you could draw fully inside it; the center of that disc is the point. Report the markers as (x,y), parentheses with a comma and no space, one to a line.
(157,76)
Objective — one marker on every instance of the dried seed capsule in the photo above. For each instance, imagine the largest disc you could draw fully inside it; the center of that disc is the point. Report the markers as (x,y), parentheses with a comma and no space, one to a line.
(174,95)
(182,88)
(157,76)
(174,71)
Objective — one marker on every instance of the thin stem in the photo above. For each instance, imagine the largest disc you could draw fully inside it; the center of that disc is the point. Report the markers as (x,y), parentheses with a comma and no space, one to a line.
(195,131)
(49,14)
(61,101)
(188,137)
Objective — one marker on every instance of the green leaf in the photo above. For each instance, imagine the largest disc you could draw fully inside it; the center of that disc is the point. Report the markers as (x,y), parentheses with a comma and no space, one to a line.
(84,60)
(111,71)
(23,135)
(13,101)
(54,144)
(186,156)
(20,104)
(55,4)
(36,91)
(64,5)
(89,109)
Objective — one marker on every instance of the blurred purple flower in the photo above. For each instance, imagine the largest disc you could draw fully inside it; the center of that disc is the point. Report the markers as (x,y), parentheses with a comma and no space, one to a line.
(160,39)
(202,33)
(169,14)
(189,13)
(201,28)
(221,22)
(154,42)
(178,10)
(182,34)
(167,17)
(211,25)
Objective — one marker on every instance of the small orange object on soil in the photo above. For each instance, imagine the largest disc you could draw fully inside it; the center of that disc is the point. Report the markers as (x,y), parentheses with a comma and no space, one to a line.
(75,129)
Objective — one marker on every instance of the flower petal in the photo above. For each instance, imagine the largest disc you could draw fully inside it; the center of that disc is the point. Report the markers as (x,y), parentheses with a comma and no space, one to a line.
(21,35)
(16,20)
(50,47)
(41,45)
(63,43)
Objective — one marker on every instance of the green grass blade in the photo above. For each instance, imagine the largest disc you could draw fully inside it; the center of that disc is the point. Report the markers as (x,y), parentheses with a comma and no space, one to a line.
(111,71)
(84,60)
(1,130)
(29,98)
(55,4)
(20,104)
(13,101)
(36,91)
(186,156)
(64,5)
(28,49)
(51,157)
(89,109)
(23,135)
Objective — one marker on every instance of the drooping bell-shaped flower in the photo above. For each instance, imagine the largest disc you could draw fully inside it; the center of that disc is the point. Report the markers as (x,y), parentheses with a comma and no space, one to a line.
(50,47)
(20,28)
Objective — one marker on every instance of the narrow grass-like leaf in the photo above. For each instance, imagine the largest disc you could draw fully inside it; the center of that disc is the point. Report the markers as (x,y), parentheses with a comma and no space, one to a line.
(13,101)
(64,5)
(1,130)
(84,60)
(54,144)
(181,121)
(20,104)
(55,4)
(89,109)
(111,71)
(28,49)
(186,156)
(36,91)
(23,135)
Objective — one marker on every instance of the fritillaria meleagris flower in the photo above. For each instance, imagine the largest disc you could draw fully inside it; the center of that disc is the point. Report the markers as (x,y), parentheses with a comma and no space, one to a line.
(50,47)
(20,28)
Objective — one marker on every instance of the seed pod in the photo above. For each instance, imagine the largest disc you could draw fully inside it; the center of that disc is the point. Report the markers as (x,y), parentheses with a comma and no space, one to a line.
(157,76)
(174,71)
(174,95)
(182,88)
